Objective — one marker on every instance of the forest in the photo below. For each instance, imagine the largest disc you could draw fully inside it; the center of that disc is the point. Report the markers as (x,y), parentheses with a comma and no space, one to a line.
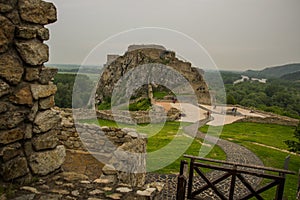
(277,95)
(65,83)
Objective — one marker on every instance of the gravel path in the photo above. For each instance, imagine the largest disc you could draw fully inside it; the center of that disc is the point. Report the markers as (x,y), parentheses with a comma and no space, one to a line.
(234,153)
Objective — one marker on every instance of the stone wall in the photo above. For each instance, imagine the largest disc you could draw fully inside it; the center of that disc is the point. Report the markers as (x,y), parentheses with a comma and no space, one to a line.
(271,120)
(140,117)
(148,65)
(28,124)
(156,115)
(109,145)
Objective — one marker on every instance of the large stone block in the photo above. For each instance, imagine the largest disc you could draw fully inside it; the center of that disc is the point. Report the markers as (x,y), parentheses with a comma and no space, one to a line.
(4,8)
(37,11)
(47,74)
(10,136)
(6,34)
(10,151)
(48,140)
(46,120)
(33,52)
(15,168)
(14,17)
(32,74)
(11,119)
(11,3)
(47,103)
(42,91)
(33,112)
(26,32)
(42,163)
(4,88)
(43,34)
(11,68)
(3,107)
(22,96)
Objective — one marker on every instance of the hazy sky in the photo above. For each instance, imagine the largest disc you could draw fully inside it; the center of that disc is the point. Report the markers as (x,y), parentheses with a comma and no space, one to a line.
(237,34)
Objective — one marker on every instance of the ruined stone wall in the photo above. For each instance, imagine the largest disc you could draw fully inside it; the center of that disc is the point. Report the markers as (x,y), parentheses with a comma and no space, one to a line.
(271,120)
(139,117)
(157,115)
(150,61)
(108,145)
(28,124)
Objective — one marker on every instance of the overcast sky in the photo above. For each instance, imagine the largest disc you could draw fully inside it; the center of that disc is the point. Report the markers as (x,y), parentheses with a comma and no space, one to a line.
(237,34)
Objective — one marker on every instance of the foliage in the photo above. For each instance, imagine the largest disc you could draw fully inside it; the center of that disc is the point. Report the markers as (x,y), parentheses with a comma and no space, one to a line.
(142,104)
(278,96)
(104,106)
(293,145)
(248,134)
(160,91)
(295,76)
(65,83)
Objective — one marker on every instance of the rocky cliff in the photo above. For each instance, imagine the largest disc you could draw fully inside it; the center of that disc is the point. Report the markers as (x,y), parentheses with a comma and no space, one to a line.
(140,55)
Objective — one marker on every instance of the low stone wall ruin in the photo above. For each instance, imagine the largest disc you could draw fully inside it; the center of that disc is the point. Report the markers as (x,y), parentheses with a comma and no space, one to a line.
(109,145)
(139,117)
(280,120)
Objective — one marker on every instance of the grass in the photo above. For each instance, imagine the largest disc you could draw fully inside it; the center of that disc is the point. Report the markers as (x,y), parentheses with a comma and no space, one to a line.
(166,144)
(267,134)
(142,104)
(160,94)
(104,106)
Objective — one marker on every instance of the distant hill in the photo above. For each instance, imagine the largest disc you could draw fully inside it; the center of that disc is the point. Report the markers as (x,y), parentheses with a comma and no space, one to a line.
(274,72)
(74,68)
(295,76)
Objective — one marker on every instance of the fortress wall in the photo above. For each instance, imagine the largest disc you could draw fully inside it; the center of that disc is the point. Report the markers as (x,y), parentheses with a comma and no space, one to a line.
(28,124)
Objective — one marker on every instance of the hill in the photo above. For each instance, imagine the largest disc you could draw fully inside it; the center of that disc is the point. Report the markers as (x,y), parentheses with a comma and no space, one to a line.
(274,72)
(74,68)
(295,76)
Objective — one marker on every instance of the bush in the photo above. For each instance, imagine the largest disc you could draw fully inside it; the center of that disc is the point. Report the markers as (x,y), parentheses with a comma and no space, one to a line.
(142,104)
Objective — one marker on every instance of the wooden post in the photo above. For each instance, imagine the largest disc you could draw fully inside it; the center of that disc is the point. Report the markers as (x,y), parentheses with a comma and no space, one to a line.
(182,180)
(280,187)
(191,176)
(232,184)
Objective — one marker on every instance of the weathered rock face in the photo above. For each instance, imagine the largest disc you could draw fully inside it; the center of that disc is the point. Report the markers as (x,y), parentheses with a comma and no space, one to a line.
(11,68)
(28,125)
(140,55)
(37,11)
(6,34)
(46,120)
(42,91)
(44,162)
(33,52)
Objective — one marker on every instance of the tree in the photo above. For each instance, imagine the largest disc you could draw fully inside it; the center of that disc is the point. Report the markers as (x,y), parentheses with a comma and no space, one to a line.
(294,146)
(231,100)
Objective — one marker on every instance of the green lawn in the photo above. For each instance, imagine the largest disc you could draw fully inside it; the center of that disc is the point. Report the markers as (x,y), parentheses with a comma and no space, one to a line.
(268,134)
(170,140)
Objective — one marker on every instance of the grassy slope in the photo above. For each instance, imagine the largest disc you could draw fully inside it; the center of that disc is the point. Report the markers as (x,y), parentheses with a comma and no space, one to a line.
(157,139)
(271,135)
